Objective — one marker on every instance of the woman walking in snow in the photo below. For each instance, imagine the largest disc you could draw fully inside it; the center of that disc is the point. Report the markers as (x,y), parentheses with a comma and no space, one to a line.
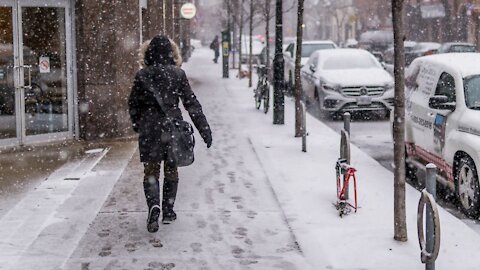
(161,75)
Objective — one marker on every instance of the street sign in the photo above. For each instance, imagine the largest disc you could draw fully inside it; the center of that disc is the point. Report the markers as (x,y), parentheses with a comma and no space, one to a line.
(188,10)
(44,64)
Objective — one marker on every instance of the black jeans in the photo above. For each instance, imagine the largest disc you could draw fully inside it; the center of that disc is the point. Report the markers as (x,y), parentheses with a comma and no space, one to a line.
(153,169)
(151,184)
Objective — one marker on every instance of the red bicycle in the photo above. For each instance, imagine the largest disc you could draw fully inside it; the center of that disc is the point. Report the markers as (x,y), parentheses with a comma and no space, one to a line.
(344,169)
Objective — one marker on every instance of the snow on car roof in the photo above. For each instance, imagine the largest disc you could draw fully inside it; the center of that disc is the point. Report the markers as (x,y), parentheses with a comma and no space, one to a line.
(318,42)
(465,63)
(343,51)
(352,55)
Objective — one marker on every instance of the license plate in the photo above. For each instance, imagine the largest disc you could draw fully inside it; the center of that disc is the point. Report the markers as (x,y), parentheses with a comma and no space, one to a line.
(364,101)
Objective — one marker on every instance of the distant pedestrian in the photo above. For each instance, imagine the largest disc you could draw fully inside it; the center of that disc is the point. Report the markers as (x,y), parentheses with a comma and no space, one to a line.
(161,74)
(215,47)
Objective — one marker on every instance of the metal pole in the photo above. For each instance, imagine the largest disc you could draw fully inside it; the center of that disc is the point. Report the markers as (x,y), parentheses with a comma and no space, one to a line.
(431,184)
(233,46)
(346,123)
(225,47)
(346,127)
(278,67)
(304,127)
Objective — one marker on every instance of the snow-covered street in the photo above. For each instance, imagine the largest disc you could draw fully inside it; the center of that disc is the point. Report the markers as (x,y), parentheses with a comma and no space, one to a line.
(253,200)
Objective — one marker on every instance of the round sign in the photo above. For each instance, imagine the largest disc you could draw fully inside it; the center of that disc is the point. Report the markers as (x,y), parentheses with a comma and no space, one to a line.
(188,10)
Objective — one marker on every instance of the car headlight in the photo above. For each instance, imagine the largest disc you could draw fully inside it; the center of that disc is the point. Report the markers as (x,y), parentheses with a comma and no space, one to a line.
(389,86)
(331,87)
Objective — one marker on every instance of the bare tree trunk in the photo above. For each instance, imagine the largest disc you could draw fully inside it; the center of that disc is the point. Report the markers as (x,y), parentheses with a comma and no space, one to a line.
(267,31)
(234,33)
(298,82)
(400,225)
(447,23)
(337,20)
(241,36)
(250,49)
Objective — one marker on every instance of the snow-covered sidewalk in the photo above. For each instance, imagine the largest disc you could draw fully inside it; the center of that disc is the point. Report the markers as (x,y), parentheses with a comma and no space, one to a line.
(252,201)
(305,185)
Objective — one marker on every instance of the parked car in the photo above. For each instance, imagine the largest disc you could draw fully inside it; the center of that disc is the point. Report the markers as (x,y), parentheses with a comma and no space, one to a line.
(376,42)
(421,49)
(263,54)
(351,43)
(457,47)
(257,47)
(308,47)
(388,56)
(350,80)
(442,122)
(389,53)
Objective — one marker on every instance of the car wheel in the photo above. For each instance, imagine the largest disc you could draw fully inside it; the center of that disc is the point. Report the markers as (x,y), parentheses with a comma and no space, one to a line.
(384,114)
(411,172)
(291,86)
(318,104)
(467,187)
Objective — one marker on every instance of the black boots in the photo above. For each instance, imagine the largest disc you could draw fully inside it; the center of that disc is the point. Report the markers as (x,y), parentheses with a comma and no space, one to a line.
(169,195)
(152,194)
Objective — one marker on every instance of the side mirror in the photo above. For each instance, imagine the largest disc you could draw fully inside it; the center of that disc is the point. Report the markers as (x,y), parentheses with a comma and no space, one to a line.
(313,68)
(441,103)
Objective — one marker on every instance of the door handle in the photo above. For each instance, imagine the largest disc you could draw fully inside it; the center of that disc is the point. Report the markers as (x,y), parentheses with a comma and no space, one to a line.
(29,86)
(29,67)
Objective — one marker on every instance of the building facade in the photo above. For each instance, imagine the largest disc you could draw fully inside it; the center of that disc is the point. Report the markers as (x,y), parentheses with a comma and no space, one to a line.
(334,20)
(66,66)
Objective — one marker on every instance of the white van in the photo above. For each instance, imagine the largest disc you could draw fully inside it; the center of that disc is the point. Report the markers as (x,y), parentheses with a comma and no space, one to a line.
(442,121)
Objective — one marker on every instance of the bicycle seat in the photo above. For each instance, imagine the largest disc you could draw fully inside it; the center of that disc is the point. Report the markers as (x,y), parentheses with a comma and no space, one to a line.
(342,164)
(261,70)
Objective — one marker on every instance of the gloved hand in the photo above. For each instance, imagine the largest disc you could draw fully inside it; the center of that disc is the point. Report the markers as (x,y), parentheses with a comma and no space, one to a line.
(208,141)
(206,134)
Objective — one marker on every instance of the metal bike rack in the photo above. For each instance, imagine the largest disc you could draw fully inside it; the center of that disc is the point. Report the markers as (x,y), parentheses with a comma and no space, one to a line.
(346,121)
(304,126)
(429,246)
(345,143)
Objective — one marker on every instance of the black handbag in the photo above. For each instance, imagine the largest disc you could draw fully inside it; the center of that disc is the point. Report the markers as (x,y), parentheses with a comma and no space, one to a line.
(177,135)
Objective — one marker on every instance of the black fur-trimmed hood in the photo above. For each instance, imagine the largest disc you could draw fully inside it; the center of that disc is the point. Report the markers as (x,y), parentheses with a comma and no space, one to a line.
(159,52)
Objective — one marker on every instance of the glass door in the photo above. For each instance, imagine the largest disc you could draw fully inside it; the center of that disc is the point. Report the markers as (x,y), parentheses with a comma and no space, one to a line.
(9,109)
(35,59)
(44,70)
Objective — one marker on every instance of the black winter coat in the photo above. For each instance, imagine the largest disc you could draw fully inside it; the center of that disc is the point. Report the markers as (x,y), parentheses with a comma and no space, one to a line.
(146,114)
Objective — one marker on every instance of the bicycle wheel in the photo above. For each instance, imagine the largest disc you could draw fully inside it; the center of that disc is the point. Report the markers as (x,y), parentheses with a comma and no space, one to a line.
(258,99)
(266,97)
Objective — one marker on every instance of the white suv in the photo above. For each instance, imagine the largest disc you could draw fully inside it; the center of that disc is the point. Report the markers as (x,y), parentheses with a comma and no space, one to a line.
(443,122)
(308,47)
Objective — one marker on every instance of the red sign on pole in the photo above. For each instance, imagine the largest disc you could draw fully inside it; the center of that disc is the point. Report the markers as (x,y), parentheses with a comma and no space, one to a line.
(188,10)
